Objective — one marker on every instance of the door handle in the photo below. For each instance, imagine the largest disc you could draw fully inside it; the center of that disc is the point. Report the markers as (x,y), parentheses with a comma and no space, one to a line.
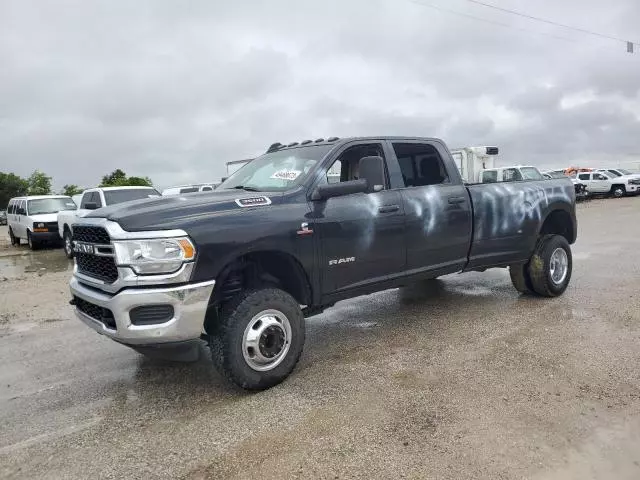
(389,209)
(456,200)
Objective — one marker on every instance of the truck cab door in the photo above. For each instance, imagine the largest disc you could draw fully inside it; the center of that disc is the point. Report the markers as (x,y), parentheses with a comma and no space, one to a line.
(437,208)
(360,234)
(604,183)
(21,226)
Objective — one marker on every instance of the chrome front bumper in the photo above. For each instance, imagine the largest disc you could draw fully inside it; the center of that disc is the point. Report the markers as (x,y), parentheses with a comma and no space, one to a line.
(189,303)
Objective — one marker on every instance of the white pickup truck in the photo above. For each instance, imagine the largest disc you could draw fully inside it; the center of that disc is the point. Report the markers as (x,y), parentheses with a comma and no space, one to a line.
(94,198)
(601,182)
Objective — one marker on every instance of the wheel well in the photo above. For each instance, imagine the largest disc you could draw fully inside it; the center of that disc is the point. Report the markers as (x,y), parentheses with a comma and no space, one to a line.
(558,222)
(253,270)
(257,269)
(618,185)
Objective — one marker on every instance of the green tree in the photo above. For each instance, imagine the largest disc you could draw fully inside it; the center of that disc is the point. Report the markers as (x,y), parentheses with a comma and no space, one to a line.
(118,178)
(11,186)
(140,181)
(71,190)
(39,183)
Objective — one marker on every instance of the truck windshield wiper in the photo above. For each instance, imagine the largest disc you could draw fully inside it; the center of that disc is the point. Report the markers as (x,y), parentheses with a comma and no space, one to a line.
(248,188)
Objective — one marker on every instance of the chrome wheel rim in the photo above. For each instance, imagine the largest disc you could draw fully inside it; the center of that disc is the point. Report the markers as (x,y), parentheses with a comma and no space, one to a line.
(266,340)
(558,266)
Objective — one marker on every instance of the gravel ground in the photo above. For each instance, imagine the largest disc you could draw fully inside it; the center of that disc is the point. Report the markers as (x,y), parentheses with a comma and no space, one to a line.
(455,379)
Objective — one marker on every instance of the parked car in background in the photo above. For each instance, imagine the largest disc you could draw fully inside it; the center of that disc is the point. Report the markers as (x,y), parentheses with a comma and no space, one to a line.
(196,187)
(510,174)
(94,198)
(604,184)
(620,172)
(579,187)
(34,218)
(3,217)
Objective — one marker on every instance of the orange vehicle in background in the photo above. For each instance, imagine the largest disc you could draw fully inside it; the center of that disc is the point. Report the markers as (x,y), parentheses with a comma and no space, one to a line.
(573,171)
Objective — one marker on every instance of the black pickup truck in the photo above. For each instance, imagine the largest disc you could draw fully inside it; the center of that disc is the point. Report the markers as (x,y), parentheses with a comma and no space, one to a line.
(296,230)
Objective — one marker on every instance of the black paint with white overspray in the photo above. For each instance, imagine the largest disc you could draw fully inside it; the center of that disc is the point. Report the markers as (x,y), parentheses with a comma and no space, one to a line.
(435,230)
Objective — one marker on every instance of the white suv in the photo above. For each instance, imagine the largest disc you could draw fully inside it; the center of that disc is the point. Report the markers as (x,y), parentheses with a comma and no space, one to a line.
(35,218)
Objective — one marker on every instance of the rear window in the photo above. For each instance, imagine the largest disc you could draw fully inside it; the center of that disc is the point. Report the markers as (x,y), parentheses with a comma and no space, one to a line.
(113,197)
(529,173)
(490,176)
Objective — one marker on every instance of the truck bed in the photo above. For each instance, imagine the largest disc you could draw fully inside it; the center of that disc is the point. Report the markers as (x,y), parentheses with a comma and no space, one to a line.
(507,217)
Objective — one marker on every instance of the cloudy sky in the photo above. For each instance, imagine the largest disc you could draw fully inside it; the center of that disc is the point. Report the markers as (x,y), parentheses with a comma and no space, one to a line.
(174,89)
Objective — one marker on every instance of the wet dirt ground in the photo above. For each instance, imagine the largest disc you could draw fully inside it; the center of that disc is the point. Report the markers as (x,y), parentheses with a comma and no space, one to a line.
(456,379)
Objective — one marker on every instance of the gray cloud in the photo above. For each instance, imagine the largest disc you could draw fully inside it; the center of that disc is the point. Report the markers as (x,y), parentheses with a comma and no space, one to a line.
(173,89)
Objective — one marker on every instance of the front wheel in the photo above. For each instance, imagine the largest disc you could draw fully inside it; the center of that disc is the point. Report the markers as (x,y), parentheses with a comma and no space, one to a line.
(68,245)
(33,245)
(259,338)
(550,266)
(618,191)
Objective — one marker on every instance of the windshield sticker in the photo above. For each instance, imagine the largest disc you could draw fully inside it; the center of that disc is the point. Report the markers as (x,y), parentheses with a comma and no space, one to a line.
(253,201)
(286,174)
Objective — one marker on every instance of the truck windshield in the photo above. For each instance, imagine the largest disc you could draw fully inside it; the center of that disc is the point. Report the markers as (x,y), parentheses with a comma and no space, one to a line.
(277,171)
(624,172)
(112,197)
(50,205)
(530,173)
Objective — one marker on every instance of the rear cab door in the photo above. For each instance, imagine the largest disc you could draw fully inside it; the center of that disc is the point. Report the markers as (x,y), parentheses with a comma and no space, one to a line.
(360,234)
(436,205)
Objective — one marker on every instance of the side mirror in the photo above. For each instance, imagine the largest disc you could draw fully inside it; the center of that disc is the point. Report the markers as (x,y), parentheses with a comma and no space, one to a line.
(91,206)
(331,190)
(371,169)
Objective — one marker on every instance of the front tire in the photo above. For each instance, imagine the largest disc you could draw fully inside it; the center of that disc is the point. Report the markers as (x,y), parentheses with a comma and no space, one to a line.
(618,191)
(33,245)
(259,338)
(67,243)
(550,266)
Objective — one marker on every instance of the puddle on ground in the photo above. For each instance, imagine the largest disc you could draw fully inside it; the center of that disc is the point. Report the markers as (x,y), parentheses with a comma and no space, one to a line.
(28,262)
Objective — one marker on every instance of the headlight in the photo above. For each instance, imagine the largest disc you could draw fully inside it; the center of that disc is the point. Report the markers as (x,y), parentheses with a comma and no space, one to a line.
(41,225)
(162,255)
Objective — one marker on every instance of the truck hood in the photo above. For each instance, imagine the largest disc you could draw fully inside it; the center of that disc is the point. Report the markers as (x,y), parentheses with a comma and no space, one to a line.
(44,218)
(179,211)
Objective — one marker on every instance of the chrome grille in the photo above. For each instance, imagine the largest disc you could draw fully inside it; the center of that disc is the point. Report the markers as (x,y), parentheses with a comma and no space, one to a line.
(96,266)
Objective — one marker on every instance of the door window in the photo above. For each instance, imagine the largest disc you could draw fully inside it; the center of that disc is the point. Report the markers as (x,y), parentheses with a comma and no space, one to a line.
(420,164)
(96,199)
(598,176)
(511,175)
(86,198)
(346,167)
(22,207)
(10,208)
(584,176)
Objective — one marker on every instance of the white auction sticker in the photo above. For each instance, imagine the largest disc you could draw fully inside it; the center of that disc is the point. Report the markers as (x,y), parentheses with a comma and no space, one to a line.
(286,174)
